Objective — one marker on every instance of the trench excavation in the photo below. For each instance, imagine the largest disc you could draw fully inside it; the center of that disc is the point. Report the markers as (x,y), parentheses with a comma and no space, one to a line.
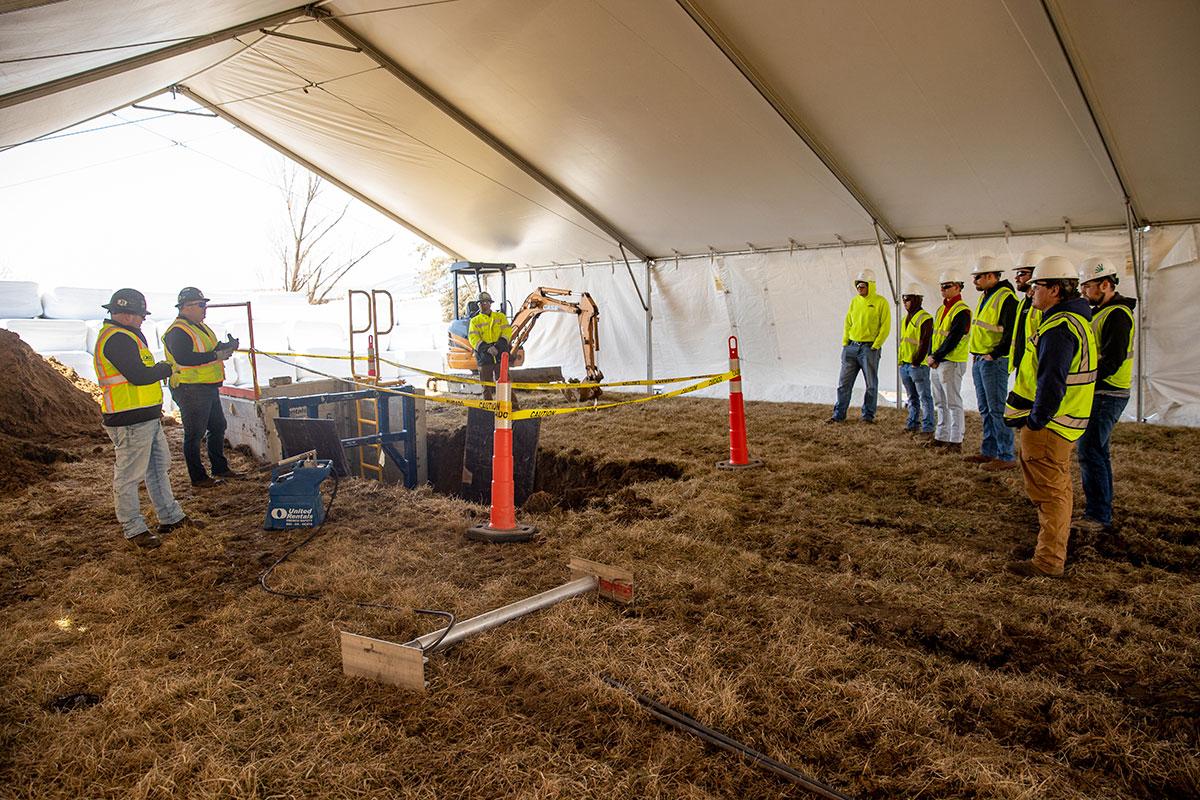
(563,480)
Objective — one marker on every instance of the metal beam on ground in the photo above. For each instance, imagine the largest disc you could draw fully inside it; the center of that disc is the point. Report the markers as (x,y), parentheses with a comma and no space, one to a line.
(269,142)
(727,47)
(487,137)
(144,59)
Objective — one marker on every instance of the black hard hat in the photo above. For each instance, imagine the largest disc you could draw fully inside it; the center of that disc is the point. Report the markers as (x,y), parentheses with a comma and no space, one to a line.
(127,301)
(190,294)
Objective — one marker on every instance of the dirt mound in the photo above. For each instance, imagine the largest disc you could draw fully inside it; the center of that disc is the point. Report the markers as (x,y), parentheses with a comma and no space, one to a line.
(41,405)
(38,402)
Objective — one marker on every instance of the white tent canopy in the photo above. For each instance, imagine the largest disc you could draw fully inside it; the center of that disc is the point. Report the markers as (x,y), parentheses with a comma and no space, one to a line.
(561,131)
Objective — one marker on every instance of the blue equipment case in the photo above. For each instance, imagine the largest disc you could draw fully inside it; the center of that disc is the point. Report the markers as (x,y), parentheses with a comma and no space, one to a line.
(295,494)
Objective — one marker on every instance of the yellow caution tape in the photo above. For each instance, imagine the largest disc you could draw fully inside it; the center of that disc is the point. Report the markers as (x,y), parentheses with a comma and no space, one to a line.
(300,355)
(486,405)
(494,406)
(539,413)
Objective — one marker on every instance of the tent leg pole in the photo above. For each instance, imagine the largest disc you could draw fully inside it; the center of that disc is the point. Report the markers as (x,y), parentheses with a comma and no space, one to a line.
(895,298)
(899,325)
(649,333)
(1134,255)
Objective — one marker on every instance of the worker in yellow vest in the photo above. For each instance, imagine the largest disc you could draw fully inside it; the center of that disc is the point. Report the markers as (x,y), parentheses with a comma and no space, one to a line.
(489,334)
(1051,402)
(1027,317)
(1113,324)
(989,345)
(916,342)
(132,417)
(864,330)
(199,361)
(948,361)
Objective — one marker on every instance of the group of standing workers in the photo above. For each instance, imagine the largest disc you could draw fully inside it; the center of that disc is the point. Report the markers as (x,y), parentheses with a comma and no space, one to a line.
(131,388)
(1072,359)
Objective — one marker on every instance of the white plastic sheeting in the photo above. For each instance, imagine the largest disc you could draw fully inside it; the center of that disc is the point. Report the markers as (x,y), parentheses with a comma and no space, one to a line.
(73,302)
(50,335)
(19,299)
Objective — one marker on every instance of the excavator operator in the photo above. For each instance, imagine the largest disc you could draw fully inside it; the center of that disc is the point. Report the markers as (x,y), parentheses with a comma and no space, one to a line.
(489,335)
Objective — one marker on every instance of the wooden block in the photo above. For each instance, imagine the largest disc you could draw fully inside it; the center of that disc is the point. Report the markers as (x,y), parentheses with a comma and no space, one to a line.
(616,584)
(383,661)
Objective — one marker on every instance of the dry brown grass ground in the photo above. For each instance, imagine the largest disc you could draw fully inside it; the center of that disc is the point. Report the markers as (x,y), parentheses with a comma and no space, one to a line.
(844,610)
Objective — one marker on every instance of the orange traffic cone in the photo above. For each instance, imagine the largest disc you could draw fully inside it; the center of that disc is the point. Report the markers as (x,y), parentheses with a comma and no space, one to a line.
(502,526)
(739,451)
(371,373)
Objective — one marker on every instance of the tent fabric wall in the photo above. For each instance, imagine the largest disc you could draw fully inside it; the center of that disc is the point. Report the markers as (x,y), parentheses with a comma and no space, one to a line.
(787,311)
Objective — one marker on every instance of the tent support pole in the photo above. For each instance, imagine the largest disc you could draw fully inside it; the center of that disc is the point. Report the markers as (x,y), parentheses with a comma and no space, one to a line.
(1087,102)
(776,101)
(899,325)
(649,332)
(277,147)
(1135,257)
(895,300)
(154,56)
(478,131)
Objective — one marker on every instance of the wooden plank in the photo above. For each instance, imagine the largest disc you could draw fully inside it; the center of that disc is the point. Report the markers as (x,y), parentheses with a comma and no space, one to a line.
(616,584)
(383,661)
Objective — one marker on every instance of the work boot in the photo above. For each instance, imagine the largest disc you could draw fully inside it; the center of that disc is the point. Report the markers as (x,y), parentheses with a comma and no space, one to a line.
(165,528)
(934,444)
(207,483)
(1027,569)
(1091,525)
(833,421)
(978,459)
(952,447)
(229,474)
(926,435)
(146,540)
(996,465)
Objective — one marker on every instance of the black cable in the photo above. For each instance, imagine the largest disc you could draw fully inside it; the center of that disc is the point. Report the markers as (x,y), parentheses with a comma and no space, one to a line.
(678,719)
(451,619)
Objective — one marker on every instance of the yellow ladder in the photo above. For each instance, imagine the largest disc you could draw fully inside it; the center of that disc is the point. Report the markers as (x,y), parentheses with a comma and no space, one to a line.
(370,456)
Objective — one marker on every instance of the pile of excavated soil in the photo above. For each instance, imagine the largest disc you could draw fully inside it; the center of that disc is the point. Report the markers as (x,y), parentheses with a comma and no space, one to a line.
(844,609)
(45,411)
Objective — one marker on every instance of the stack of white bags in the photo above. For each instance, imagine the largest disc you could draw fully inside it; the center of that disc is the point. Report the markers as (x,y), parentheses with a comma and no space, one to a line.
(63,323)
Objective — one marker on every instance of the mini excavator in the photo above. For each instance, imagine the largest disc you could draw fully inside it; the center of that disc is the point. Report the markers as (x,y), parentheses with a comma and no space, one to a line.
(461,355)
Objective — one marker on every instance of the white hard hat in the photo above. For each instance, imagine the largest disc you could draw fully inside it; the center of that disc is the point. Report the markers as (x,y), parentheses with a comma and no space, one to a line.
(867,275)
(1095,268)
(913,289)
(984,265)
(484,297)
(1029,260)
(1055,268)
(950,276)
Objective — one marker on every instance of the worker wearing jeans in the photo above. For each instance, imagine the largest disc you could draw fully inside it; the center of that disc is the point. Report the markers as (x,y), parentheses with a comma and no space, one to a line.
(131,405)
(142,454)
(863,333)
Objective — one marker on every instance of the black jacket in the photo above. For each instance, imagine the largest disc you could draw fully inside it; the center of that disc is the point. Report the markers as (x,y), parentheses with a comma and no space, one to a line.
(1114,342)
(1055,350)
(124,356)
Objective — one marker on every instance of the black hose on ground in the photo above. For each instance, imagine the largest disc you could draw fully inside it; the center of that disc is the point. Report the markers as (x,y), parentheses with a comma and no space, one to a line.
(677,719)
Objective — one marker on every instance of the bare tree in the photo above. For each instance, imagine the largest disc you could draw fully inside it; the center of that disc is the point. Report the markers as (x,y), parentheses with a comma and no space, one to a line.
(434,279)
(311,260)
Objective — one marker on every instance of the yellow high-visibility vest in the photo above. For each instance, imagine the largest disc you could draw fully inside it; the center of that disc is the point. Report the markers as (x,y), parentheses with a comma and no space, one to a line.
(118,393)
(1021,332)
(941,329)
(986,330)
(1123,377)
(1071,418)
(488,328)
(203,341)
(910,338)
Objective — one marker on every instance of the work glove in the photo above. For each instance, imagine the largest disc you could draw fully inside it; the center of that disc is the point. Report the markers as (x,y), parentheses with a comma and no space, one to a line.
(493,351)
(164,370)
(1016,423)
